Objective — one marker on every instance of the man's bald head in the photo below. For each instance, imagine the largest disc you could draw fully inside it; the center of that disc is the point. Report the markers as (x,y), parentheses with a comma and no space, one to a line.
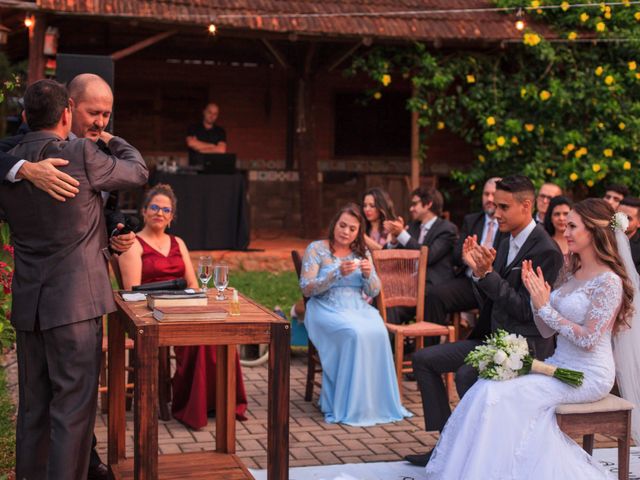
(92,104)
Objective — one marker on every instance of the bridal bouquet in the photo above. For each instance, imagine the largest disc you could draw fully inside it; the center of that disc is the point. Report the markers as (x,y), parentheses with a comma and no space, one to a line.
(506,355)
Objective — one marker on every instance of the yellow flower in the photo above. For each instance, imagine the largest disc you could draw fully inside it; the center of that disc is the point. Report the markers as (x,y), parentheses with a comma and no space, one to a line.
(514,140)
(626,165)
(535,3)
(529,127)
(491,121)
(596,167)
(481,159)
(472,187)
(491,148)
(523,92)
(471,79)
(637,16)
(377,95)
(609,79)
(621,126)
(386,79)
(424,106)
(601,27)
(500,141)
(626,3)
(599,71)
(581,152)
(584,17)
(545,95)
(573,177)
(638,76)
(440,125)
(632,65)
(601,125)
(607,15)
(572,35)
(607,153)
(531,39)
(570,147)
(564,6)
(590,183)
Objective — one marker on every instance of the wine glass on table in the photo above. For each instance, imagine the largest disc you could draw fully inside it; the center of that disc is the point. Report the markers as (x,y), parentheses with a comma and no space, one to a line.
(221,279)
(205,271)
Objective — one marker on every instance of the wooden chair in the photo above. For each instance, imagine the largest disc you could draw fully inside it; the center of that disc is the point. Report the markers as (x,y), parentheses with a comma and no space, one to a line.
(103,389)
(403,275)
(609,416)
(313,359)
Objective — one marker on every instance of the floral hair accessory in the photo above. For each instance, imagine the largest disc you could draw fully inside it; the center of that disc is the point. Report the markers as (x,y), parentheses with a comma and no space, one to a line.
(619,221)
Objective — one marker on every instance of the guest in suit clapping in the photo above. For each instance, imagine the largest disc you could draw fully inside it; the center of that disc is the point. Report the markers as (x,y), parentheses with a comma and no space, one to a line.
(456,295)
(555,222)
(377,207)
(158,256)
(504,299)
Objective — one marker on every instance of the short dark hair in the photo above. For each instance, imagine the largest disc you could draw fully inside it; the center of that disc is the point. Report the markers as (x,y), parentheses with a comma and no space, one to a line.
(618,188)
(519,185)
(633,202)
(432,196)
(553,203)
(44,102)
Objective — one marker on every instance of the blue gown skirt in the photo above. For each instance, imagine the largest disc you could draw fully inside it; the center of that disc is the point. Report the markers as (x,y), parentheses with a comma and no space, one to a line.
(359,385)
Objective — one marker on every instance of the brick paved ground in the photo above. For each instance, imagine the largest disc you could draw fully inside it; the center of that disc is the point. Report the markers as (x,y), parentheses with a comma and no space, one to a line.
(312,441)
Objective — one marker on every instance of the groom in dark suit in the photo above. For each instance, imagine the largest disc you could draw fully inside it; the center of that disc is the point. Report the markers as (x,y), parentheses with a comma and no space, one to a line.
(503,298)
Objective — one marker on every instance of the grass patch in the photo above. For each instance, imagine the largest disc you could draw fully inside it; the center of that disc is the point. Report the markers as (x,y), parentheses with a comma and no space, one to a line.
(268,289)
(7,430)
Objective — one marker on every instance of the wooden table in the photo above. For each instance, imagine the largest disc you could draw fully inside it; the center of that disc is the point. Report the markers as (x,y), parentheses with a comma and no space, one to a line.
(254,325)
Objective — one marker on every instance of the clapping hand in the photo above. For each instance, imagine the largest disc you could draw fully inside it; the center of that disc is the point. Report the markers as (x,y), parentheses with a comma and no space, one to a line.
(394,227)
(467,247)
(483,258)
(538,288)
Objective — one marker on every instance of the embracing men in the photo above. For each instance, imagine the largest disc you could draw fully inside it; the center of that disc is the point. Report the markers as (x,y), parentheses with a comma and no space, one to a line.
(504,301)
(61,286)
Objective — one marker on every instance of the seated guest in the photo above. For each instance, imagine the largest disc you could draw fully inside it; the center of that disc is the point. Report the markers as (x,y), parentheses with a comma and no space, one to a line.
(614,194)
(377,207)
(630,206)
(359,385)
(456,295)
(206,136)
(545,194)
(157,256)
(555,223)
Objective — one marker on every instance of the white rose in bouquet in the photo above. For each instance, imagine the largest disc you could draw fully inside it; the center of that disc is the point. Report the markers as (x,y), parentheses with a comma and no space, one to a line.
(499,357)
(514,362)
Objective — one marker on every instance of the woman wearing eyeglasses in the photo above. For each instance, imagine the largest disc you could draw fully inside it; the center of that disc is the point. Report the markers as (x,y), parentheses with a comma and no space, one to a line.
(157,256)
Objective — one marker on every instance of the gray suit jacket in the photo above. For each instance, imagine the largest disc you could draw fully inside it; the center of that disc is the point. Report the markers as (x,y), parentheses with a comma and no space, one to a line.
(61,275)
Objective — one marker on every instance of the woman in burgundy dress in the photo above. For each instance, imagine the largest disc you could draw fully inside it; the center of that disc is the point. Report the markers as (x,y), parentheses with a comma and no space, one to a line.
(158,256)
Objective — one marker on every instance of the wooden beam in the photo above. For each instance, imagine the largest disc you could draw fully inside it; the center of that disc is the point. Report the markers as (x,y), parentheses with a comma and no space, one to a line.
(136,47)
(415,147)
(280,58)
(343,56)
(36,48)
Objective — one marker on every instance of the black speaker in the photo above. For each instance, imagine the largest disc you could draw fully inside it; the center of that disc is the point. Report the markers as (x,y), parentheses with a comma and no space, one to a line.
(70,65)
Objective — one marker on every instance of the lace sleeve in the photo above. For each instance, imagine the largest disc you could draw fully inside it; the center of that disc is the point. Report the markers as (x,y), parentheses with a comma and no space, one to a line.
(371,284)
(311,282)
(605,295)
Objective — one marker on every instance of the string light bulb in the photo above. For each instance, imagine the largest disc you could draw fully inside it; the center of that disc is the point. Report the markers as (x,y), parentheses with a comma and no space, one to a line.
(28,21)
(520,24)
(212,29)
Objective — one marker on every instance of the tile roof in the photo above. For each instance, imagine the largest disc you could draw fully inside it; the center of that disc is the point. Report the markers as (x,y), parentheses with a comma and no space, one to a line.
(280,16)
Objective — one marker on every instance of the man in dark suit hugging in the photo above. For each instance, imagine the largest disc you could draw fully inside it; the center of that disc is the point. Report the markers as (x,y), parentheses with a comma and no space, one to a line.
(426,229)
(504,301)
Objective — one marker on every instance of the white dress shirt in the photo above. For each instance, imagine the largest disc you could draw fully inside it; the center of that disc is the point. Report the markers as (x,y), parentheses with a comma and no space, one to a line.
(404,236)
(515,243)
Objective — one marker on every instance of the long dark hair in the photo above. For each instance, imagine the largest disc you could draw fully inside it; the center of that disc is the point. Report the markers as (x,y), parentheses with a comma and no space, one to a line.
(383,204)
(357,246)
(555,202)
(596,214)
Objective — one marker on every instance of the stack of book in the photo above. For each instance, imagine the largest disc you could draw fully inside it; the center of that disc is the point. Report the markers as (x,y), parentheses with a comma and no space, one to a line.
(191,313)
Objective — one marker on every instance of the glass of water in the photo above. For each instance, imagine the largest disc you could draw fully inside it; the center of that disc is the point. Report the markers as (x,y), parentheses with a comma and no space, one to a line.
(205,271)
(221,279)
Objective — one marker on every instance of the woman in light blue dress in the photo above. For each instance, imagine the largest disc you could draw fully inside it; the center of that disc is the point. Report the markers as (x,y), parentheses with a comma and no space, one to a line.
(359,385)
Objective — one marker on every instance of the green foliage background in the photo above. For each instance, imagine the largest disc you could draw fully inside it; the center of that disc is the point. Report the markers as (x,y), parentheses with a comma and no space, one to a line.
(563,108)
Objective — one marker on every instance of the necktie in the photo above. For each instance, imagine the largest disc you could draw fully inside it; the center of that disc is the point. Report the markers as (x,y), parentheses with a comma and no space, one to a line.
(423,233)
(513,252)
(488,239)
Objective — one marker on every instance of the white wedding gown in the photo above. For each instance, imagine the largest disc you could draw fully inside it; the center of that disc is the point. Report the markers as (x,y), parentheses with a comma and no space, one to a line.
(507,429)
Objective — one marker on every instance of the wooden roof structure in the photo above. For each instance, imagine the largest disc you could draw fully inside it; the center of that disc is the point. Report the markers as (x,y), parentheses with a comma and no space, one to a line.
(400,20)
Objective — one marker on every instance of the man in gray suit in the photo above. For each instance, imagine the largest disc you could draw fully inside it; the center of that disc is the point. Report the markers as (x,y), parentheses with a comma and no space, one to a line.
(61,286)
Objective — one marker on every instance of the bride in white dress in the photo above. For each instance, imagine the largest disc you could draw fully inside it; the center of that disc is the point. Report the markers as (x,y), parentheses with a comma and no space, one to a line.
(507,429)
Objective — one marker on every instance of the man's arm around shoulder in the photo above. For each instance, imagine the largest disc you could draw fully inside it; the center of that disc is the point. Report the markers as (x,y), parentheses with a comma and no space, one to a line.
(124,168)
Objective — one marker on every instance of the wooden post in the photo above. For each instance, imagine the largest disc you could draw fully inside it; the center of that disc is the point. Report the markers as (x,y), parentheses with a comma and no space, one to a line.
(415,147)
(310,204)
(36,48)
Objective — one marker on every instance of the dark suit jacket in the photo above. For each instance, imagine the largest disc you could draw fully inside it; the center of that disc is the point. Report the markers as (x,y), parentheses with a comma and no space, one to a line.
(505,301)
(634,243)
(7,161)
(61,274)
(473,224)
(440,239)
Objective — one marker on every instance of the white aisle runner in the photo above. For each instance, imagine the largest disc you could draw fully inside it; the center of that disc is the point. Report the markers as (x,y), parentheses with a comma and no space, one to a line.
(404,471)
